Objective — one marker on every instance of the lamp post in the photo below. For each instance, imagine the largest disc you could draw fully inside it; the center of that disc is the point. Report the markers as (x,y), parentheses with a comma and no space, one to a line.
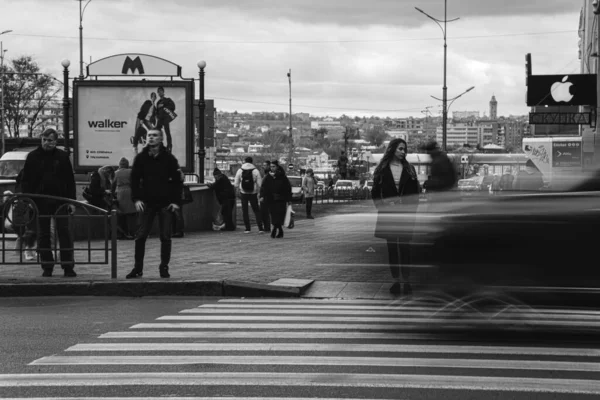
(202,108)
(289,75)
(446,108)
(444,89)
(2,89)
(81,11)
(65,63)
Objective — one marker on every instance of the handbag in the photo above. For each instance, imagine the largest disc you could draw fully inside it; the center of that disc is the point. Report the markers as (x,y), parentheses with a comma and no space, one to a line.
(186,195)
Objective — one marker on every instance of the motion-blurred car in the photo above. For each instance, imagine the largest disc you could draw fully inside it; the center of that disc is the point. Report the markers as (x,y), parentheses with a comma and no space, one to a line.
(544,239)
(468,186)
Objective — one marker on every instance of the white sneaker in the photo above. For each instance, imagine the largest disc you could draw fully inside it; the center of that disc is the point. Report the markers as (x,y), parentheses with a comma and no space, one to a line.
(246,231)
(29,255)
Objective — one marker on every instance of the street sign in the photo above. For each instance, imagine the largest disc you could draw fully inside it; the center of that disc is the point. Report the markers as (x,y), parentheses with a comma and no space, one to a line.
(558,118)
(566,154)
(290,166)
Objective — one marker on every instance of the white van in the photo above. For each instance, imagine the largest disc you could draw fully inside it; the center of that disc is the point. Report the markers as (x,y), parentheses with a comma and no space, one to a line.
(12,162)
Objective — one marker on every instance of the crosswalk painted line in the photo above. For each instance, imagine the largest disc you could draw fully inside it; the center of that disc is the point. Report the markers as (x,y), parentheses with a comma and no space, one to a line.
(323,361)
(187,398)
(233,336)
(353,380)
(338,347)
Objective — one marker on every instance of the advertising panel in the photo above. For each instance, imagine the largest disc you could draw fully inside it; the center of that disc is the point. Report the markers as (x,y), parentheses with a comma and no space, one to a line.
(557,90)
(539,150)
(112,118)
(566,154)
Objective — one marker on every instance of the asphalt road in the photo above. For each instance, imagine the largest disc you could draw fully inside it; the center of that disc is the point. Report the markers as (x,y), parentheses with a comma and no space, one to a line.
(288,348)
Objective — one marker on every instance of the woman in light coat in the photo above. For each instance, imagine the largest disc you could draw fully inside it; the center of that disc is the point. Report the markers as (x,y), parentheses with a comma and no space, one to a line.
(121,189)
(309,183)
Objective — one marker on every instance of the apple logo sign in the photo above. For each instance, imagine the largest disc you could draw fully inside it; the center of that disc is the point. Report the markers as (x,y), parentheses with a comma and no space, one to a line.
(561,91)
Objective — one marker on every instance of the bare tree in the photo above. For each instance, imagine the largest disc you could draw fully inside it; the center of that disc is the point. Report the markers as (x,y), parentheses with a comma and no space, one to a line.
(376,135)
(28,92)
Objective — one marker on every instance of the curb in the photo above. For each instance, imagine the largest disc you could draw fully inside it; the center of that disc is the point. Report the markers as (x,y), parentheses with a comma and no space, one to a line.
(140,288)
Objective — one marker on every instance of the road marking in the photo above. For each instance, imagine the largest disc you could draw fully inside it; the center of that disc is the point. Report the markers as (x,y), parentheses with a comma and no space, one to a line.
(338,347)
(323,361)
(270,335)
(506,384)
(185,398)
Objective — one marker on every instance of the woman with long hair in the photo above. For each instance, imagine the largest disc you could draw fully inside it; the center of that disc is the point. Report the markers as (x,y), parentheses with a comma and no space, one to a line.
(395,193)
(276,191)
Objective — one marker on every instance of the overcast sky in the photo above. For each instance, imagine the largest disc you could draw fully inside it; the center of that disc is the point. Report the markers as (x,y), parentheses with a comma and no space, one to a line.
(378,57)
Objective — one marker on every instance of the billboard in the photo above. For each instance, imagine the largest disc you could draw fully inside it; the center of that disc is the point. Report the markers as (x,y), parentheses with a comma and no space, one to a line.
(111,119)
(557,90)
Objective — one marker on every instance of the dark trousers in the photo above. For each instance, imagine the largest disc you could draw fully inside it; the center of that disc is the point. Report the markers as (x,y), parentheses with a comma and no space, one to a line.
(47,212)
(309,203)
(127,224)
(177,219)
(164,227)
(264,215)
(399,259)
(227,213)
(253,200)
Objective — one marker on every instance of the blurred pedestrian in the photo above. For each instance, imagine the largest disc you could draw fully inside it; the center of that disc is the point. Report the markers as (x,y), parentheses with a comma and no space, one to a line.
(343,165)
(264,207)
(155,190)
(309,183)
(248,181)
(48,171)
(276,191)
(507,180)
(485,179)
(225,194)
(126,212)
(531,179)
(442,174)
(395,193)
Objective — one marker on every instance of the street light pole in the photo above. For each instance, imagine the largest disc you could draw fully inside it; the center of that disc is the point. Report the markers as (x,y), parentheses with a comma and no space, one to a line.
(2,89)
(446,108)
(202,109)
(291,134)
(65,63)
(445,88)
(81,11)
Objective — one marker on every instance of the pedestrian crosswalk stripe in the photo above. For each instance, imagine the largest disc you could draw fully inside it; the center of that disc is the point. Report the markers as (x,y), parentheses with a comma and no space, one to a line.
(323,361)
(270,335)
(475,319)
(339,347)
(505,384)
(186,398)
(307,301)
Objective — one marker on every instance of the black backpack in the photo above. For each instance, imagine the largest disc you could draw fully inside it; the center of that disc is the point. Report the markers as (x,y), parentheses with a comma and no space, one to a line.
(248,180)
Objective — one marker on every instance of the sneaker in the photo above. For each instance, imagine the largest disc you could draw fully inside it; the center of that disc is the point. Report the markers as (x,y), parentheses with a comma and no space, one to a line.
(30,255)
(246,231)
(164,272)
(69,273)
(47,273)
(134,274)
(261,231)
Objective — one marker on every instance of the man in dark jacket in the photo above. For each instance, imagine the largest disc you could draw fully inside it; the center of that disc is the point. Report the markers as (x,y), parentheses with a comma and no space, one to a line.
(165,114)
(442,175)
(48,171)
(225,194)
(155,190)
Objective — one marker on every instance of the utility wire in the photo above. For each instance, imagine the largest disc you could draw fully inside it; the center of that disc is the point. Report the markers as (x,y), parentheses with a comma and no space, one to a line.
(297,41)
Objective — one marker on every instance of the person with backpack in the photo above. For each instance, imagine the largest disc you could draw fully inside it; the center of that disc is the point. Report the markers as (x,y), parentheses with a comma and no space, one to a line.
(248,181)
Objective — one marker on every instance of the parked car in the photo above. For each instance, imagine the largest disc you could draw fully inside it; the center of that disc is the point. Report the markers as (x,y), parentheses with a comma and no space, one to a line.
(12,162)
(297,193)
(344,188)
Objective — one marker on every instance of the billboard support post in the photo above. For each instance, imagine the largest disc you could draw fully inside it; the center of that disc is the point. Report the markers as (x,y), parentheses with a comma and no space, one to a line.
(202,107)
(65,63)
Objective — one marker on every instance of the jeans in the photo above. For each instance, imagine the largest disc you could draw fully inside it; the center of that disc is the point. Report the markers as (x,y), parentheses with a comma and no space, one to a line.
(399,258)
(164,227)
(47,212)
(253,199)
(178,220)
(226,212)
(309,203)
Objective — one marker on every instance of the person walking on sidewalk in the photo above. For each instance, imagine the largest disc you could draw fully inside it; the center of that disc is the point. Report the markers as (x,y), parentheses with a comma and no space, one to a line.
(225,196)
(308,187)
(395,193)
(48,171)
(121,188)
(248,182)
(277,193)
(264,207)
(155,190)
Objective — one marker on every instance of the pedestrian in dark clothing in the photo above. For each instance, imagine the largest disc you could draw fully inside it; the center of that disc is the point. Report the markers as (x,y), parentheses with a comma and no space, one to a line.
(48,171)
(395,193)
(442,175)
(276,191)
(343,165)
(531,179)
(264,207)
(155,190)
(506,180)
(178,221)
(225,194)
(121,189)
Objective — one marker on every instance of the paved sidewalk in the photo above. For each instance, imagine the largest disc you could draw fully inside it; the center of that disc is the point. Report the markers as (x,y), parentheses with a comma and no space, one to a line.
(335,256)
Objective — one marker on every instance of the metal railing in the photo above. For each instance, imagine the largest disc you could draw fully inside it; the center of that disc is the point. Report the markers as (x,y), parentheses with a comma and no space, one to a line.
(92,226)
(328,195)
